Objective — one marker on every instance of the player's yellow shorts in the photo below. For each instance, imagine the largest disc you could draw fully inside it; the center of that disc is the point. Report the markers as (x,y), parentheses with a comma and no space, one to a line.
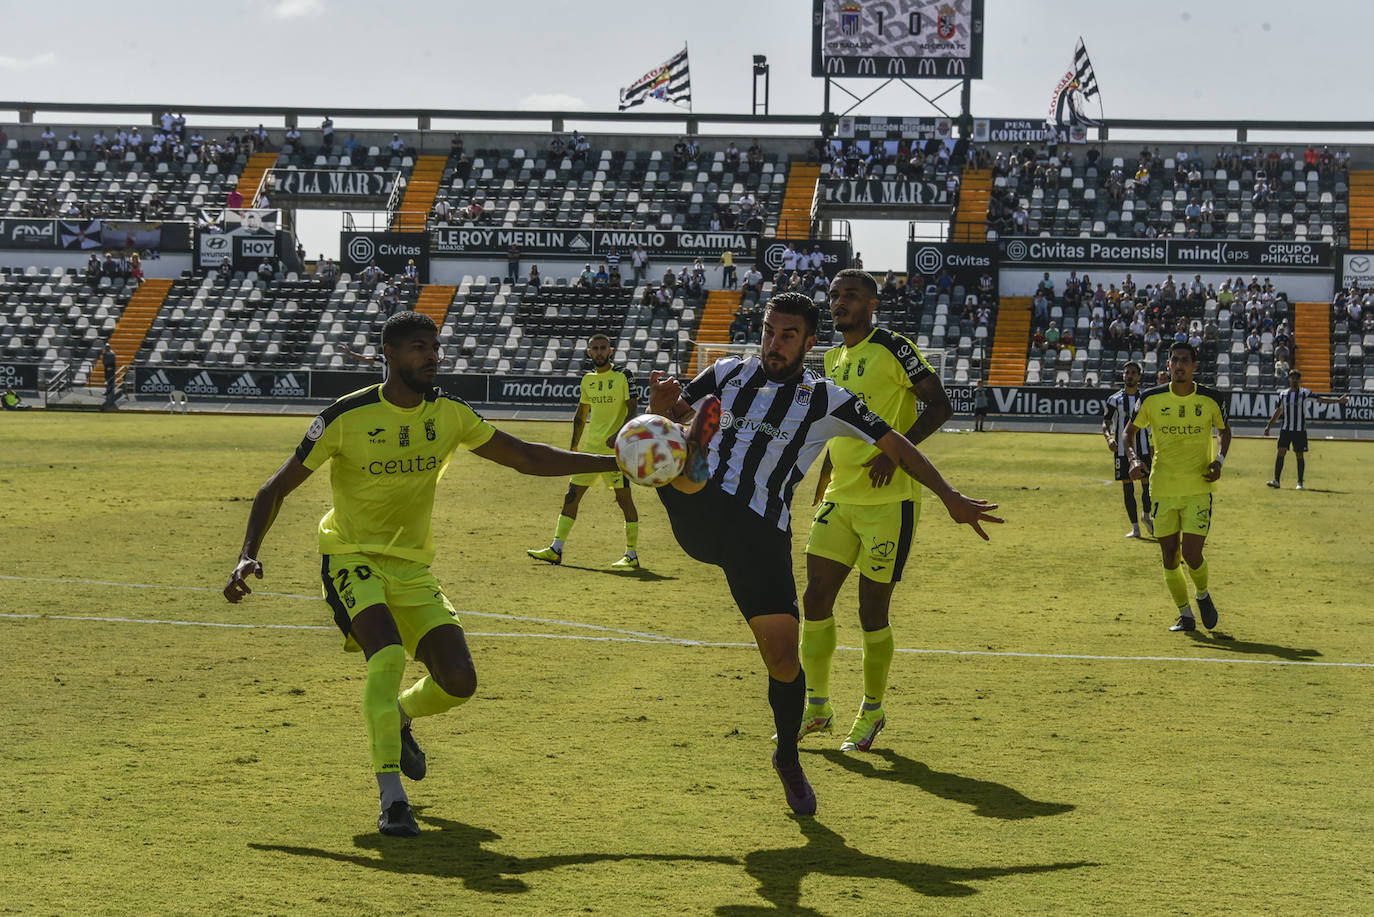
(1191,515)
(612,479)
(873,538)
(352,582)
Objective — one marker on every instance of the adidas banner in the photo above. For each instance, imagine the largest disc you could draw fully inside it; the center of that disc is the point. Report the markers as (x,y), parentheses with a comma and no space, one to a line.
(221,383)
(590,243)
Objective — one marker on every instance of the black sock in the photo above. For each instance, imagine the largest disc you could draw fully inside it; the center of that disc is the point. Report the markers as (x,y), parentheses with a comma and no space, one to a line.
(1278,467)
(1128,488)
(1145,495)
(787,700)
(1302,466)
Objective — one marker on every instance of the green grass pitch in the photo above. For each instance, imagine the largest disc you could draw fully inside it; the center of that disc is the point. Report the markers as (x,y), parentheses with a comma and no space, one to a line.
(1051,747)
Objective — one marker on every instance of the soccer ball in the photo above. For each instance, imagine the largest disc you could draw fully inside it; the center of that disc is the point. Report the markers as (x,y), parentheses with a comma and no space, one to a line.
(651,450)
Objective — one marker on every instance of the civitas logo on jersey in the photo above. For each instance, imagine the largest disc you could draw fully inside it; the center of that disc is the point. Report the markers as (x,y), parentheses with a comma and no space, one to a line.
(244,385)
(156,384)
(202,384)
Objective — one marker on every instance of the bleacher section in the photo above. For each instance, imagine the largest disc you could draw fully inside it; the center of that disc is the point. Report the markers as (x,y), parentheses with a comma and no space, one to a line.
(50,315)
(616,188)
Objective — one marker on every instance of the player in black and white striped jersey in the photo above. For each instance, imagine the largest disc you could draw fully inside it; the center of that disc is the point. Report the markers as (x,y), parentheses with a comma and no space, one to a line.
(775,418)
(1292,405)
(1120,410)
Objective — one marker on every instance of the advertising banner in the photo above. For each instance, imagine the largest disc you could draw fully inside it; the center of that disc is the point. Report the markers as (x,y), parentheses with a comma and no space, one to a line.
(967,262)
(28,232)
(391,250)
(837,254)
(22,377)
(883,194)
(332,183)
(1225,254)
(589,243)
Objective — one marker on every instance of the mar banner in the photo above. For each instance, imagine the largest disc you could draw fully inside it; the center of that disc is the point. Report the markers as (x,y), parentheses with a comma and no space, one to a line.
(879,194)
(333,183)
(391,250)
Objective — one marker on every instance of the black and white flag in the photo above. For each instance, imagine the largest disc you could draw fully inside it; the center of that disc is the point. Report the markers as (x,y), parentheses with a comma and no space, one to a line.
(671,82)
(1069,104)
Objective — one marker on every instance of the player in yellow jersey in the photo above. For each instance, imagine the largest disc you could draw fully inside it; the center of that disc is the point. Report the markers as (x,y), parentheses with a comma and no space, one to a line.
(607,401)
(1180,417)
(387,446)
(867,515)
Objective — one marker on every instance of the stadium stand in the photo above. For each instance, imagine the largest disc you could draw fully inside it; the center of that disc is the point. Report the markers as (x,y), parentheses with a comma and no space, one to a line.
(52,316)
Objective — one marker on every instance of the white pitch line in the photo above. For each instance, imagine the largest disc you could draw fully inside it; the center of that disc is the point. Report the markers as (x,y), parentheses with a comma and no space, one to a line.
(648,637)
(680,641)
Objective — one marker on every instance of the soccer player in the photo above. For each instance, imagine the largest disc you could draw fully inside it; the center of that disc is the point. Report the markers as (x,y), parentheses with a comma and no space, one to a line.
(1183,475)
(388,444)
(607,401)
(760,423)
(1120,411)
(868,513)
(1292,404)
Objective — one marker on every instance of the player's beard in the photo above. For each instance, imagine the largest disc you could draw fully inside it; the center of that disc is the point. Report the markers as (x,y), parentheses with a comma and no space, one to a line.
(416,380)
(786,371)
(599,362)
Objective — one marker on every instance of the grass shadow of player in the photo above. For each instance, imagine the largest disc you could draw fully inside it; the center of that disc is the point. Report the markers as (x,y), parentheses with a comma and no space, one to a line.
(638,573)
(1223,641)
(988,799)
(456,851)
(780,873)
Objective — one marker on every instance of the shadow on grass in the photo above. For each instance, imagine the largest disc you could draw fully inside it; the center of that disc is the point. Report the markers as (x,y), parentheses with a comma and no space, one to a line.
(638,573)
(455,851)
(779,873)
(1222,641)
(988,799)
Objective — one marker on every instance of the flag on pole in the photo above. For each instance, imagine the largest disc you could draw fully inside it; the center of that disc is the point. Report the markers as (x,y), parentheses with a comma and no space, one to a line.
(1068,105)
(671,82)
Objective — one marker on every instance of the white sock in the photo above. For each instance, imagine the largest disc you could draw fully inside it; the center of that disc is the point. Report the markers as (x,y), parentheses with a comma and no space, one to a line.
(558,545)
(389,783)
(1186,612)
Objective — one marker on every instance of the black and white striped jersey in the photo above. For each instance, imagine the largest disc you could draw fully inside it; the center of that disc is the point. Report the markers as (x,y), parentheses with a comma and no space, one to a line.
(1294,402)
(1120,411)
(771,432)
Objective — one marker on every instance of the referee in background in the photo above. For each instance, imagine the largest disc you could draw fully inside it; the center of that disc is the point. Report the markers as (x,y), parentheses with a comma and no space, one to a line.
(1120,410)
(1292,405)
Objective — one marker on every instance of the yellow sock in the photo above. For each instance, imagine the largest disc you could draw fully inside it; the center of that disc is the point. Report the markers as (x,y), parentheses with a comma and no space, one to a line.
(1178,586)
(631,536)
(426,698)
(1199,575)
(385,670)
(878,649)
(818,642)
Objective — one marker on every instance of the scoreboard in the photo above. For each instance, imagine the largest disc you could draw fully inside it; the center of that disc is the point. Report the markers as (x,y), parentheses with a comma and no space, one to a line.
(890,39)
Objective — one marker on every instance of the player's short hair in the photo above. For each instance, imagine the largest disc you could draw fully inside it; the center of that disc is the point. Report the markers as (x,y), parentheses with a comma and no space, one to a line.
(1183,345)
(405,325)
(864,277)
(1294,372)
(598,337)
(796,304)
(1129,364)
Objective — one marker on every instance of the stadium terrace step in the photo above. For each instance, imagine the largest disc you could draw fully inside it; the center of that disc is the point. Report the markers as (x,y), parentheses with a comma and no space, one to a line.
(1361,209)
(421,189)
(434,300)
(970,220)
(798,200)
(714,328)
(1008,364)
(133,325)
(252,174)
(1312,335)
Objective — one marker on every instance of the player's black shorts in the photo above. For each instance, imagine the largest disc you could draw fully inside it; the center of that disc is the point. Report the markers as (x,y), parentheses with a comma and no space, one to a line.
(1123,466)
(1295,441)
(980,412)
(715,528)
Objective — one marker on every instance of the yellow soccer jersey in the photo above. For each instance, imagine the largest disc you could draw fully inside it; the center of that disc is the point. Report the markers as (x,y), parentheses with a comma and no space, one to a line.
(384,464)
(881,370)
(1181,430)
(605,393)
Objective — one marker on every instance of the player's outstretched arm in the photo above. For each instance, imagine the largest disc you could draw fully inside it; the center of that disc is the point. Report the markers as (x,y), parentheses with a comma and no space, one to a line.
(260,518)
(539,459)
(962,509)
